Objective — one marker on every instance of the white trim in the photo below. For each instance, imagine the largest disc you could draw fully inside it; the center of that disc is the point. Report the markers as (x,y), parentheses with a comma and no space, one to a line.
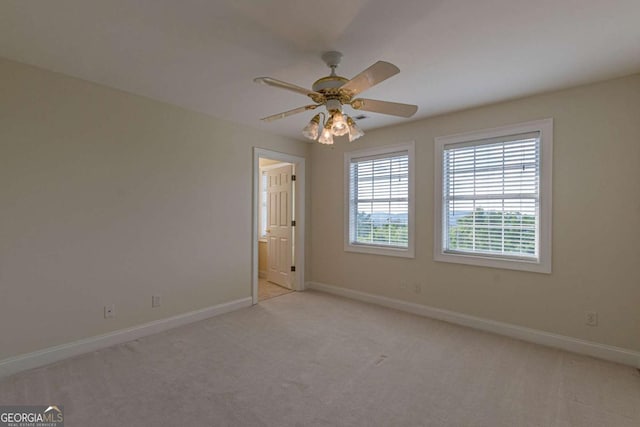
(50,355)
(575,345)
(299,211)
(409,252)
(543,264)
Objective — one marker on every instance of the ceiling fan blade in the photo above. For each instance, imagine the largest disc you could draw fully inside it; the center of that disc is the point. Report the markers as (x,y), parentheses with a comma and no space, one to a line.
(288,86)
(289,113)
(373,75)
(384,107)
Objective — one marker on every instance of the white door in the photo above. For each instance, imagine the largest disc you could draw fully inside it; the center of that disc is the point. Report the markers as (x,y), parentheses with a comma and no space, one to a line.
(279,229)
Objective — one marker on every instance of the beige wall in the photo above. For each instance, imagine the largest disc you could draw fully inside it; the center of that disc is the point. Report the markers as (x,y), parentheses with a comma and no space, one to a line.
(108,198)
(596,220)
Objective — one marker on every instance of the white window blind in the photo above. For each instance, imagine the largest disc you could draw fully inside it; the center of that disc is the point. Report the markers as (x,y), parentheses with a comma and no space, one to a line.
(491,197)
(379,200)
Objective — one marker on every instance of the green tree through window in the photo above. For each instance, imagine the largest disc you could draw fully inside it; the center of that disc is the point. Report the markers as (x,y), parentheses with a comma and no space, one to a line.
(376,231)
(510,233)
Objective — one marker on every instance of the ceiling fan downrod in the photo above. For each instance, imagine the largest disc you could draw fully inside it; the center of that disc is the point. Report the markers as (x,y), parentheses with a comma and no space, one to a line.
(332,59)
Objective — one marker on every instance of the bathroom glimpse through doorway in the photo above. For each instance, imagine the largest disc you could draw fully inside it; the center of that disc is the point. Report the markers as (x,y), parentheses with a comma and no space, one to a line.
(278,224)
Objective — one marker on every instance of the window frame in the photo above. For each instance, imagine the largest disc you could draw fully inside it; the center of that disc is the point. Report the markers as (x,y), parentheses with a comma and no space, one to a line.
(543,262)
(409,251)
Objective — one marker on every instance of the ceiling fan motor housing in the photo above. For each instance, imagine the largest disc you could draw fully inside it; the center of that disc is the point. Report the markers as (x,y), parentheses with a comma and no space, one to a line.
(329,86)
(327,83)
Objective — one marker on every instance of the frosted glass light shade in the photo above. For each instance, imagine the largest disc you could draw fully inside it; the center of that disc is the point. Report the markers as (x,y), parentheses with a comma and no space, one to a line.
(339,126)
(326,137)
(354,131)
(312,129)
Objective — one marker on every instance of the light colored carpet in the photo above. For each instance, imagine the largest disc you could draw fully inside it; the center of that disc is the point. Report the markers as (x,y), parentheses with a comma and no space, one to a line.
(268,290)
(312,359)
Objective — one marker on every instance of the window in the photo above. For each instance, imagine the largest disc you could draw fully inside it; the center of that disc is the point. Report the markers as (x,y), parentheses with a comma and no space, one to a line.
(379,200)
(493,197)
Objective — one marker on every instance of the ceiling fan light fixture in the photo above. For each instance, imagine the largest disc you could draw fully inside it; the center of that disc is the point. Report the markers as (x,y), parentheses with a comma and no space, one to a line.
(333,92)
(354,130)
(312,129)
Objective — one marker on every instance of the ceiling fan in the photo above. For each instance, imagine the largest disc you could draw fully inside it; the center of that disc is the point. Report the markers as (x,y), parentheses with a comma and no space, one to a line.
(334,92)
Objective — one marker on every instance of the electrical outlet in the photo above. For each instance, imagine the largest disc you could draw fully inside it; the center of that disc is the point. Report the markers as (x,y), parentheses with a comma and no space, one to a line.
(417,288)
(155,301)
(109,311)
(592,319)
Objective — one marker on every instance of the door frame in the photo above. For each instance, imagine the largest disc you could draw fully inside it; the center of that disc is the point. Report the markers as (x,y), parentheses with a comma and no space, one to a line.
(299,212)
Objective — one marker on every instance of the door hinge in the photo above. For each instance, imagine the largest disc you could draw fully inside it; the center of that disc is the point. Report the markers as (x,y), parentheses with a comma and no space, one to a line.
(293,268)
(293,223)
(293,177)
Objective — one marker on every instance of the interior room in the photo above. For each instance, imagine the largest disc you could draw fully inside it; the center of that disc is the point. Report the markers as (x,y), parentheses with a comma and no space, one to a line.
(278,213)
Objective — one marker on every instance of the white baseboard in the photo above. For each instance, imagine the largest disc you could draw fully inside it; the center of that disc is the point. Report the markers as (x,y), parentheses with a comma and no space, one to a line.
(49,355)
(575,345)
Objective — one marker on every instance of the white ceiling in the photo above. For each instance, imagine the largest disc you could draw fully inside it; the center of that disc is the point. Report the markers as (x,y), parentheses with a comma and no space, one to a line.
(203,54)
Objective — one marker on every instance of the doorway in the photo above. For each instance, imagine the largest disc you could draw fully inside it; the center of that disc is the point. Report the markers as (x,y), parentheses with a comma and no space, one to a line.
(278,224)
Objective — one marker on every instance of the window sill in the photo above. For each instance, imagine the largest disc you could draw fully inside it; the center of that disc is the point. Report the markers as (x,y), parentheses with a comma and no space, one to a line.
(508,264)
(378,250)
